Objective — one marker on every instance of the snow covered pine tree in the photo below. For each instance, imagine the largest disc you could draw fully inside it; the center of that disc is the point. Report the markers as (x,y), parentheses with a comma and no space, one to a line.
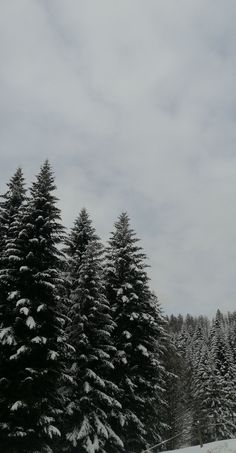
(137,363)
(222,382)
(12,200)
(31,335)
(94,395)
(10,226)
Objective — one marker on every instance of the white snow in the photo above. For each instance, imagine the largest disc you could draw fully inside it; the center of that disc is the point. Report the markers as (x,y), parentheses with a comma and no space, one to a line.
(30,322)
(41,307)
(17,405)
(53,355)
(7,336)
(223,446)
(22,302)
(24,268)
(22,350)
(127,334)
(143,350)
(52,431)
(24,311)
(39,340)
(12,295)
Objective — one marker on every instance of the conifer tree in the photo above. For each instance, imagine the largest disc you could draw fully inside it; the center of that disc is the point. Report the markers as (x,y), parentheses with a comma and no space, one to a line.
(76,243)
(213,386)
(202,394)
(223,381)
(93,394)
(32,338)
(10,204)
(137,362)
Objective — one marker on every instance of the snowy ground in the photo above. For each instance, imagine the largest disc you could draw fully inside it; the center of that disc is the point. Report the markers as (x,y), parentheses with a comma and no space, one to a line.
(224,446)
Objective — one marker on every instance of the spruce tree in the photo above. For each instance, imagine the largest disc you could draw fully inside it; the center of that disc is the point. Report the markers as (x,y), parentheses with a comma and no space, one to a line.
(32,334)
(10,204)
(76,243)
(137,362)
(10,258)
(223,381)
(202,394)
(213,386)
(200,368)
(93,399)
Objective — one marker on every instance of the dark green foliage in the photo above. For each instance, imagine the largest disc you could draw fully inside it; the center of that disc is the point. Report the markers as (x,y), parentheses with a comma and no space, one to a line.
(137,362)
(32,338)
(206,373)
(93,397)
(9,206)
(124,384)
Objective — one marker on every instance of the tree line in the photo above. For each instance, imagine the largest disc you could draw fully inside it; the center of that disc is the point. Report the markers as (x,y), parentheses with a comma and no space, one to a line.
(82,337)
(88,361)
(203,394)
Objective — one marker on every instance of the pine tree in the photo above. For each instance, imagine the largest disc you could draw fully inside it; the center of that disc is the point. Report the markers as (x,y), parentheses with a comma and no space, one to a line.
(9,206)
(32,337)
(137,362)
(202,394)
(184,412)
(93,394)
(213,386)
(10,227)
(223,381)
(76,243)
(200,369)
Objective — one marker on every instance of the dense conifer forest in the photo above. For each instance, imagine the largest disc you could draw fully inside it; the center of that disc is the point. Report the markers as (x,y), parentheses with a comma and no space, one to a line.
(89,362)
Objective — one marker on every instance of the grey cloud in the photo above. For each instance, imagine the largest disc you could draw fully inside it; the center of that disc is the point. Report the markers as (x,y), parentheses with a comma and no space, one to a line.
(134,104)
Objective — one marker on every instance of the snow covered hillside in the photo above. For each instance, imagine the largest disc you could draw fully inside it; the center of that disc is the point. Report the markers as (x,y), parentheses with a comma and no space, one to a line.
(224,446)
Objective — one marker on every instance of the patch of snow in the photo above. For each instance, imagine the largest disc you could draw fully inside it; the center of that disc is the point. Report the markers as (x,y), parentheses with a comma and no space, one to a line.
(22,350)
(52,355)
(7,336)
(24,311)
(41,307)
(30,322)
(127,334)
(143,350)
(52,431)
(22,302)
(222,446)
(24,269)
(18,405)
(13,295)
(39,340)
(87,387)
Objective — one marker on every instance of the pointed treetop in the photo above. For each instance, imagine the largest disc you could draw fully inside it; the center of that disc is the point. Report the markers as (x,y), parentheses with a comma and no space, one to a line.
(16,179)
(44,180)
(124,239)
(15,194)
(123,221)
(16,190)
(81,234)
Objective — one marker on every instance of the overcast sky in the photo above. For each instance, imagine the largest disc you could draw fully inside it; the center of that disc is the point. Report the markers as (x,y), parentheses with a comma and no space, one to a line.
(134,103)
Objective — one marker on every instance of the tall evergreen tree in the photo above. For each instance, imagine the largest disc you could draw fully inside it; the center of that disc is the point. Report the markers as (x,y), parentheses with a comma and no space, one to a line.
(76,244)
(137,362)
(10,204)
(32,337)
(223,381)
(94,394)
(213,386)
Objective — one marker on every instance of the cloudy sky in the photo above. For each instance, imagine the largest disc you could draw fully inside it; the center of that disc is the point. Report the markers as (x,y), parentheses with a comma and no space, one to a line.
(134,103)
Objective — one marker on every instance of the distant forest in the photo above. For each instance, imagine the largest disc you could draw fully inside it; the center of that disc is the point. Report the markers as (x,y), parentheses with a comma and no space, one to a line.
(88,360)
